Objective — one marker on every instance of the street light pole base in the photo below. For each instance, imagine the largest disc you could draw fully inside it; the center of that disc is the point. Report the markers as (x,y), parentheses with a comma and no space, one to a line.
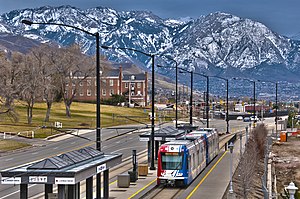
(231,196)
(152,168)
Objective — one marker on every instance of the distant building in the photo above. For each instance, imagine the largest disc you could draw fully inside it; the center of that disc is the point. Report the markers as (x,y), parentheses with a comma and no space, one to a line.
(114,81)
(250,108)
(239,108)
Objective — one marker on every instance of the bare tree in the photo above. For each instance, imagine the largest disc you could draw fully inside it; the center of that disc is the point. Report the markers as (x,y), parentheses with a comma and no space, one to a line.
(246,169)
(10,74)
(249,164)
(31,83)
(43,56)
(72,68)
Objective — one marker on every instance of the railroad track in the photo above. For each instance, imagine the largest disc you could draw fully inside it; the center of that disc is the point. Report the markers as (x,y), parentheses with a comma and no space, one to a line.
(164,192)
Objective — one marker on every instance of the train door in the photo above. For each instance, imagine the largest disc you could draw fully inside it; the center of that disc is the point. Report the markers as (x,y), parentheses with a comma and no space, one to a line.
(206,149)
(190,178)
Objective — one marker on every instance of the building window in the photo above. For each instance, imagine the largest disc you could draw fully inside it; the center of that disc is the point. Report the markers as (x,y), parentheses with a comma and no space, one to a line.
(89,82)
(80,84)
(132,85)
(139,93)
(132,93)
(126,85)
(103,92)
(138,84)
(111,92)
(111,82)
(88,92)
(67,84)
(103,81)
(80,92)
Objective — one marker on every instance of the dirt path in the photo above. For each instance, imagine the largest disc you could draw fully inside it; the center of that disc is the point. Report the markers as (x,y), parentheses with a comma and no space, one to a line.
(287,162)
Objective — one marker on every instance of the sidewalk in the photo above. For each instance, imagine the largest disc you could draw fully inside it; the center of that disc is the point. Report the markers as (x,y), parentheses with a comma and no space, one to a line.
(137,189)
(213,182)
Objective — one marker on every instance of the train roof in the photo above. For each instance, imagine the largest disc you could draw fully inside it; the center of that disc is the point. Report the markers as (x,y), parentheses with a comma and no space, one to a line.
(207,131)
(178,142)
(190,136)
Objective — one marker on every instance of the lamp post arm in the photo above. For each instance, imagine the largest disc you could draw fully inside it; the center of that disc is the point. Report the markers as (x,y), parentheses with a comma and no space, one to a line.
(132,49)
(227,109)
(176,89)
(27,22)
(207,103)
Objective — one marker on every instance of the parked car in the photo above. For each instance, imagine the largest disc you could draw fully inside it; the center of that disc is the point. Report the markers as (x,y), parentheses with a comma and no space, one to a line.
(254,118)
(246,119)
(239,118)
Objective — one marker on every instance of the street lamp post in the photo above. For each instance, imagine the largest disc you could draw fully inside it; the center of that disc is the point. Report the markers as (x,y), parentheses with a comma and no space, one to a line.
(292,190)
(276,101)
(276,116)
(191,94)
(207,97)
(152,167)
(254,100)
(98,125)
(227,96)
(176,89)
(191,97)
(230,146)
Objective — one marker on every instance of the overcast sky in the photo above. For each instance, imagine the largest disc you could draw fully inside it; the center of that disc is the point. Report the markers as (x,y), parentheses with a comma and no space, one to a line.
(282,16)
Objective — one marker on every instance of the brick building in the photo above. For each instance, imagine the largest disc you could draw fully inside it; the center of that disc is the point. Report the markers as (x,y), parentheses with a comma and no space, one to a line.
(113,81)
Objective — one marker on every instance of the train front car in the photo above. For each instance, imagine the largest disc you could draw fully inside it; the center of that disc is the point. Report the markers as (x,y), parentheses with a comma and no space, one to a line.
(172,164)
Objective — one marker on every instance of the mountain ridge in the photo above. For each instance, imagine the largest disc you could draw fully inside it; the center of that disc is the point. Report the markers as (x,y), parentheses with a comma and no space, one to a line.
(216,44)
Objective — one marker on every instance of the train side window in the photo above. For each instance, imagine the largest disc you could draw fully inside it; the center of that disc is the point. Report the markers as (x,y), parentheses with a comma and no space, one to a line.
(193,163)
(198,156)
(187,163)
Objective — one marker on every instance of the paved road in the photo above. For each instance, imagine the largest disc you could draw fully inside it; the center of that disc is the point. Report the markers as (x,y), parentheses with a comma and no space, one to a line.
(125,144)
(120,144)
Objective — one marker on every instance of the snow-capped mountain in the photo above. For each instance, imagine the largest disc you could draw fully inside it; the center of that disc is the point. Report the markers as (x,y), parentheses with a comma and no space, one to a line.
(216,44)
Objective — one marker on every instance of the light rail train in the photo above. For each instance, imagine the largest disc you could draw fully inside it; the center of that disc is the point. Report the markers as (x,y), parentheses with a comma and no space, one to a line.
(182,160)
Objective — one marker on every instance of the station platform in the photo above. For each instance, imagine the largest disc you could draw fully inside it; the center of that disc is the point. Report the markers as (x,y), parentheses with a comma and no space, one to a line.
(215,175)
(136,189)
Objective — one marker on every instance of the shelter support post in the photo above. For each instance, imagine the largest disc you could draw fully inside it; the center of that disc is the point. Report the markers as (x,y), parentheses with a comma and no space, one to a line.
(106,183)
(23,191)
(48,189)
(61,191)
(71,191)
(89,188)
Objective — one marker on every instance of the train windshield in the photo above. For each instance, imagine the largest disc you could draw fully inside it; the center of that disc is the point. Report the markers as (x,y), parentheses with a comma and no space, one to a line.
(171,161)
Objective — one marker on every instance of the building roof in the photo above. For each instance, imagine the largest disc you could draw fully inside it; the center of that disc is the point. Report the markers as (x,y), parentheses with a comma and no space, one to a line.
(140,76)
(111,73)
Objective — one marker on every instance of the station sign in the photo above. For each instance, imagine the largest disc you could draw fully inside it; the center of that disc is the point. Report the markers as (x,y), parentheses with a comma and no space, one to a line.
(11,180)
(37,179)
(144,139)
(64,180)
(101,168)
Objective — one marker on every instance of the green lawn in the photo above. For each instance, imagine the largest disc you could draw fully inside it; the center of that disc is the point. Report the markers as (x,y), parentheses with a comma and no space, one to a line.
(83,115)
(7,145)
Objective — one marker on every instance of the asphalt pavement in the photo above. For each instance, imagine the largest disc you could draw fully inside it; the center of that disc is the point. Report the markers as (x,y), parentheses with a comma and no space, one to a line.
(47,148)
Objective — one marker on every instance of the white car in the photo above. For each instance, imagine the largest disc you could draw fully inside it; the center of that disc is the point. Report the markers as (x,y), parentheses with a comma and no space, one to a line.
(254,118)
(239,118)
